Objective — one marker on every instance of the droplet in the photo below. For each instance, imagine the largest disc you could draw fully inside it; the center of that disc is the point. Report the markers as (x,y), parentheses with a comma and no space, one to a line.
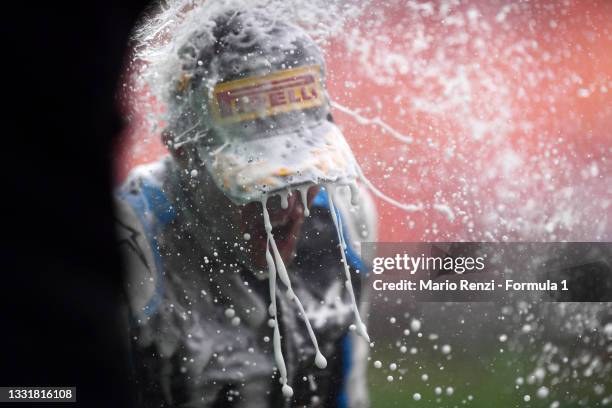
(284,195)
(229,312)
(304,196)
(542,392)
(377,364)
(320,361)
(416,396)
(287,391)
(246,236)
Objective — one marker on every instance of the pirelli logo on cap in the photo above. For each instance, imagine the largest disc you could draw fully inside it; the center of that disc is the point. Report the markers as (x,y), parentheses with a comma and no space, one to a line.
(260,97)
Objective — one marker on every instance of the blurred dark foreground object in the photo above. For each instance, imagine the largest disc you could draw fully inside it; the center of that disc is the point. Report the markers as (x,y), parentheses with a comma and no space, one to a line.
(61,308)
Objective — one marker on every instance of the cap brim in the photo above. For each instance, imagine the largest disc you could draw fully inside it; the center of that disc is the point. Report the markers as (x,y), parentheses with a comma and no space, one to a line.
(250,170)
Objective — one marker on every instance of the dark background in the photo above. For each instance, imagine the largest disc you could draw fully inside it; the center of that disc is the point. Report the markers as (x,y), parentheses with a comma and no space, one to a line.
(61,305)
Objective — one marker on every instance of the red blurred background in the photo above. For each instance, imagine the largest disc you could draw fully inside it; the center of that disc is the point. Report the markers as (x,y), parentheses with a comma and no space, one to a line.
(508,108)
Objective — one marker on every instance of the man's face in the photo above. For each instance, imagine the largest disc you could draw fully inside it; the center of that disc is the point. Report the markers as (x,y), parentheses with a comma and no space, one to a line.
(247,221)
(286,225)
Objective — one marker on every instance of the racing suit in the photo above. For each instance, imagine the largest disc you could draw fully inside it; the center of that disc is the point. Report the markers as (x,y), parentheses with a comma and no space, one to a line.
(200,331)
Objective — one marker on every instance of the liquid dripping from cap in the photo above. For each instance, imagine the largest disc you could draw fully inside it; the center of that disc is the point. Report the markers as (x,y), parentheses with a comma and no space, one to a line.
(284,195)
(304,196)
(320,360)
(277,265)
(361,328)
(339,228)
(278,353)
(354,193)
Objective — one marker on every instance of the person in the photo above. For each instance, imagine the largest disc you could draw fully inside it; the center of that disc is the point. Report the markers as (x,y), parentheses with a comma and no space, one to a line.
(255,188)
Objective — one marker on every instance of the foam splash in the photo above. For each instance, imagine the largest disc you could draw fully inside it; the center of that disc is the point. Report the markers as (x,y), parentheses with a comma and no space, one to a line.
(170,24)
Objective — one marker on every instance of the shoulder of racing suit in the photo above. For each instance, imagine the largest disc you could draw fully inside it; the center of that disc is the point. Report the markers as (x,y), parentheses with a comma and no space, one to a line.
(142,209)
